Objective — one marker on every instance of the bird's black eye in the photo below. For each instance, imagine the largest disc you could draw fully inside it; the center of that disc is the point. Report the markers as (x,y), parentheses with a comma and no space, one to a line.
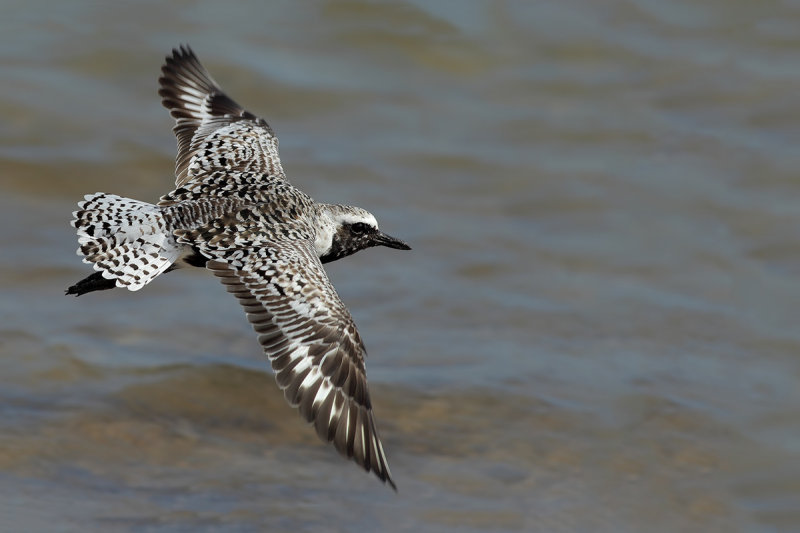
(359,227)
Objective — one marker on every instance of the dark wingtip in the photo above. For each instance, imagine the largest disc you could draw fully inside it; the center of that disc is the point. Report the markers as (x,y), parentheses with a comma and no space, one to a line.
(181,51)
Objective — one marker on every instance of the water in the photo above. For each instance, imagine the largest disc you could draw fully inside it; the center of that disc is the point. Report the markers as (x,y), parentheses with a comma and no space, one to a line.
(596,330)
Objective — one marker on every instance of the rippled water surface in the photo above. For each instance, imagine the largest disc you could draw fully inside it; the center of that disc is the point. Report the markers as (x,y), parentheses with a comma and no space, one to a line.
(597,329)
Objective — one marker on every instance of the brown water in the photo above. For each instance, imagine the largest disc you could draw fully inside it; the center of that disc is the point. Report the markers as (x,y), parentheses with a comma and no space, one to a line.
(597,329)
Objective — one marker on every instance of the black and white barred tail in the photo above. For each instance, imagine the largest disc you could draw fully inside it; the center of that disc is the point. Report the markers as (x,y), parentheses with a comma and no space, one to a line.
(126,241)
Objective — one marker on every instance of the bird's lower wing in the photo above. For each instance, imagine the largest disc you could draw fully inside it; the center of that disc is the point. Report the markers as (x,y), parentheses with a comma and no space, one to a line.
(312,343)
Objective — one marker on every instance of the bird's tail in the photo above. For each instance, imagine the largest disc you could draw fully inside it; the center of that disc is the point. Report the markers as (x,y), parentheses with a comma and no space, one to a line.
(124,240)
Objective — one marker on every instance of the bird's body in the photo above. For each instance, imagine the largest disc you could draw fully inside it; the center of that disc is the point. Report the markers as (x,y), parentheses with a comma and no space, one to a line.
(234,212)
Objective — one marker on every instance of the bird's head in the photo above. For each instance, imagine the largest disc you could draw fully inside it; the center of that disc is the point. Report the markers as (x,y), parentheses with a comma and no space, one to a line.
(345,230)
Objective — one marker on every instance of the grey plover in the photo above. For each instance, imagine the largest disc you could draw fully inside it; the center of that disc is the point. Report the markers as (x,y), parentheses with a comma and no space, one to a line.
(234,213)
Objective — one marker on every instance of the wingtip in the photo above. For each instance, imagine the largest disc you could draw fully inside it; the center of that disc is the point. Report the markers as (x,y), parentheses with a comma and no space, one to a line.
(381,466)
(391,483)
(181,54)
(181,51)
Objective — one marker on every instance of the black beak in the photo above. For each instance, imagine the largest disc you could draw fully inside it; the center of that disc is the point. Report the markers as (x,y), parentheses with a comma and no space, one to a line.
(381,239)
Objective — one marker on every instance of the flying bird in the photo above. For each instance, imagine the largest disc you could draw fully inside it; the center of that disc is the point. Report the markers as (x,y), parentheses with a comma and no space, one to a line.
(234,212)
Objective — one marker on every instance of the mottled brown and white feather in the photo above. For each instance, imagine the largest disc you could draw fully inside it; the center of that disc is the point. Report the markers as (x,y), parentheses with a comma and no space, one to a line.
(213,132)
(126,240)
(311,342)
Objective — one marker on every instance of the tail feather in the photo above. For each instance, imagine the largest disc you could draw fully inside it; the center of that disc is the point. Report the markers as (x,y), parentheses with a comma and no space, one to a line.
(125,240)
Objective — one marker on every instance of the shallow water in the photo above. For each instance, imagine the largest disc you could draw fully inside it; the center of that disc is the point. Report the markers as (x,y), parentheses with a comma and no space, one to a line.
(596,330)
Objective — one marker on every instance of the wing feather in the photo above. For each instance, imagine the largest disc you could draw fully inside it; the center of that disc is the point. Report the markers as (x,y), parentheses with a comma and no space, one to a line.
(312,343)
(213,131)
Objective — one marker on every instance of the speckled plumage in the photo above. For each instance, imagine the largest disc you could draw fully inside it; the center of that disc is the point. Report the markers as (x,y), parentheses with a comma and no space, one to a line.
(234,212)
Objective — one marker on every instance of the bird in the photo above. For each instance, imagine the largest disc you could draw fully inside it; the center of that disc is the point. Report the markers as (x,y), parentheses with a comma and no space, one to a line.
(234,212)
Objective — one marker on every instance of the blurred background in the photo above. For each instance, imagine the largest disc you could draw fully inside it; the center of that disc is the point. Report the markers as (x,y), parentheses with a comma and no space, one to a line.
(597,329)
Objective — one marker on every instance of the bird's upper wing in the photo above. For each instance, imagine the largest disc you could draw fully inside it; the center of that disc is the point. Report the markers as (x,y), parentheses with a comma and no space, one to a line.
(308,335)
(214,132)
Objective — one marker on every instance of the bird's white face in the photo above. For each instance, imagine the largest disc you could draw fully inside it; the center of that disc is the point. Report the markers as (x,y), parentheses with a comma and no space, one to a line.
(344,230)
(345,220)
(337,222)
